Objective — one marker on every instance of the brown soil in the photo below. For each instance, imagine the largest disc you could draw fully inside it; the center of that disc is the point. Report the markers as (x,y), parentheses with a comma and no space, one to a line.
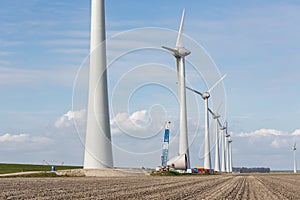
(271,186)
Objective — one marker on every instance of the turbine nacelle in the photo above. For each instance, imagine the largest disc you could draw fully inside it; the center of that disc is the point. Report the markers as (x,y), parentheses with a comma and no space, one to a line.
(216,116)
(182,52)
(205,95)
(168,124)
(179,52)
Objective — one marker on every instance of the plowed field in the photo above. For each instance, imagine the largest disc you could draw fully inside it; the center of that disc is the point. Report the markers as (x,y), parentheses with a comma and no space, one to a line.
(272,186)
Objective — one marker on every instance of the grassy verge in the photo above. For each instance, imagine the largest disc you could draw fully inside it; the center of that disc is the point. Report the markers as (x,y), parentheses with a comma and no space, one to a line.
(36,175)
(13,168)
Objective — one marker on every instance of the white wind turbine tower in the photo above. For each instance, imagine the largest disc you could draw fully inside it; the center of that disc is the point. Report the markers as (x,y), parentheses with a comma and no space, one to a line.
(180,53)
(295,162)
(223,161)
(230,155)
(205,96)
(98,149)
(217,143)
(227,139)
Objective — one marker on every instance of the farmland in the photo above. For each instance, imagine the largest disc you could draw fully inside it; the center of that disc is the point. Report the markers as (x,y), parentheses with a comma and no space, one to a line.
(13,168)
(271,186)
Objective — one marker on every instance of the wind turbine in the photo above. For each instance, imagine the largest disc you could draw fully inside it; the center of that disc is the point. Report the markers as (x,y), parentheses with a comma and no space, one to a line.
(217,151)
(227,139)
(205,96)
(179,52)
(98,149)
(230,155)
(295,162)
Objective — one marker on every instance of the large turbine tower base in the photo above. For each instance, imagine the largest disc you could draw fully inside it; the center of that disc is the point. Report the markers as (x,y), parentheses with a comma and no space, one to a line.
(98,149)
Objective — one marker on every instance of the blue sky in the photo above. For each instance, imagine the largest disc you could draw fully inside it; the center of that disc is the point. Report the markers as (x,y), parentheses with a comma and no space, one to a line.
(44,43)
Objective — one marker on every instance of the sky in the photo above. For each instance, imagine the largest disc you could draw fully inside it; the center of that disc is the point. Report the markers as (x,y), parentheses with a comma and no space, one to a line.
(44,49)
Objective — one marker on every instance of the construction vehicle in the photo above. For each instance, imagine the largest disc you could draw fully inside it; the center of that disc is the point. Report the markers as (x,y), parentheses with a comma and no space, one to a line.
(165,150)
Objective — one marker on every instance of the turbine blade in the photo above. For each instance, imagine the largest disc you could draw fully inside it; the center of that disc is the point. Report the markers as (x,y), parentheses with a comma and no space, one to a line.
(211,111)
(220,80)
(178,42)
(174,51)
(193,90)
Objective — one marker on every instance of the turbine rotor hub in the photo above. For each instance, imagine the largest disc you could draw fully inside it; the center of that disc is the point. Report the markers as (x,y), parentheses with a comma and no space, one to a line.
(216,116)
(205,95)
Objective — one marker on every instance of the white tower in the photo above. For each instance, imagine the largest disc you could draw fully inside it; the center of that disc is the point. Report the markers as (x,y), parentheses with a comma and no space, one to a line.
(227,150)
(179,52)
(217,151)
(207,158)
(230,155)
(223,163)
(295,162)
(98,149)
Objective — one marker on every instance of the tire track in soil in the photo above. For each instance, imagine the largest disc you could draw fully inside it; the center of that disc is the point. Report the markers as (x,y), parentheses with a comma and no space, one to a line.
(226,190)
(238,189)
(191,187)
(210,191)
(246,194)
(290,184)
(156,189)
(283,189)
(59,188)
(271,191)
(194,190)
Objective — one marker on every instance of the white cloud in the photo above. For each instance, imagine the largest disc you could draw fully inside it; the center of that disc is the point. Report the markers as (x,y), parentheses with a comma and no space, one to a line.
(275,144)
(5,53)
(10,43)
(66,42)
(138,124)
(19,76)
(83,51)
(71,33)
(276,139)
(263,132)
(21,138)
(70,117)
(296,132)
(13,138)
(125,122)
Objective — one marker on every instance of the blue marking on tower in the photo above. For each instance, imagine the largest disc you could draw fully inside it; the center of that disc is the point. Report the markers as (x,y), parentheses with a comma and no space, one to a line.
(165,151)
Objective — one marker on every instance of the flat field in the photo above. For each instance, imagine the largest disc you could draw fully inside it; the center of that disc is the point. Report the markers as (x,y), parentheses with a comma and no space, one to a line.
(13,168)
(253,186)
